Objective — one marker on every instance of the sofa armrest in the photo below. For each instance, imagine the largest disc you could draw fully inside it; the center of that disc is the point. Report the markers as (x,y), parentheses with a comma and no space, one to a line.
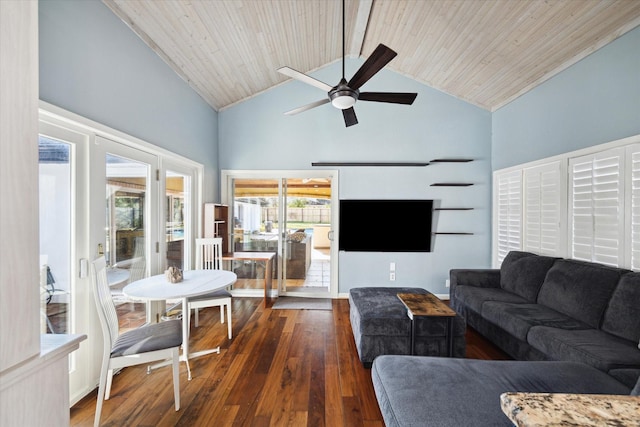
(482,278)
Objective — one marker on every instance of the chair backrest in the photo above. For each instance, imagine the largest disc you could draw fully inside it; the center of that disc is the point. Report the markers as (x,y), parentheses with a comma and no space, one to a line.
(209,253)
(104,303)
(138,269)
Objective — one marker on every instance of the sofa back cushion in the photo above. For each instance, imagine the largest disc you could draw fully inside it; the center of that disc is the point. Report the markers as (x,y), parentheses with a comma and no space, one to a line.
(579,289)
(523,273)
(622,317)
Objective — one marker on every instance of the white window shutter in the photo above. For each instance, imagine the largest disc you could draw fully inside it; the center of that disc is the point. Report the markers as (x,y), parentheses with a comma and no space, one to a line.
(508,214)
(596,211)
(633,203)
(544,209)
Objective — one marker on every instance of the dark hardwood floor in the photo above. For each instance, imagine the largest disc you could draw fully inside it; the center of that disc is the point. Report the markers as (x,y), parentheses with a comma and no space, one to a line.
(282,367)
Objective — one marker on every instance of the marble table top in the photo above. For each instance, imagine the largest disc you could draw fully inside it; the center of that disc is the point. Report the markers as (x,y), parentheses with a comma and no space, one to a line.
(556,409)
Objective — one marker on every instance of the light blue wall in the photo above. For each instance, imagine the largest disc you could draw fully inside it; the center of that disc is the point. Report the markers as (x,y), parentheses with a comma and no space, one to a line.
(592,102)
(256,135)
(92,64)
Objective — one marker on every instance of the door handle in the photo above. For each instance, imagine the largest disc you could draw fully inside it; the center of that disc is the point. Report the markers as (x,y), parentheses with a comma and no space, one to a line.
(330,235)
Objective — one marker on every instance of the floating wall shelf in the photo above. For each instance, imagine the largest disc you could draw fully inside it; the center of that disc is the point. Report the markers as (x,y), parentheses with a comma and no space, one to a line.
(453,209)
(462,234)
(451,160)
(451,184)
(384,164)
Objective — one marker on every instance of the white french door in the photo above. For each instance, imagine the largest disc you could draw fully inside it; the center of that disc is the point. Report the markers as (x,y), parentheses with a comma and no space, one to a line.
(65,295)
(103,192)
(124,208)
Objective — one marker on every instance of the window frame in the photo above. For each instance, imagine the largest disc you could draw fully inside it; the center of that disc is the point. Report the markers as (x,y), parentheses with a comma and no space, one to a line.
(630,201)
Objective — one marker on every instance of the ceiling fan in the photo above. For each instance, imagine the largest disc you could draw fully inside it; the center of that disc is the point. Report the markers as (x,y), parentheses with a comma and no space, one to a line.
(345,94)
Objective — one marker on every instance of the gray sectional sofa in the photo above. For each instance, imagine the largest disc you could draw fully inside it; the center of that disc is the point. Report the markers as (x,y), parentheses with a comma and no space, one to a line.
(542,308)
(443,392)
(573,326)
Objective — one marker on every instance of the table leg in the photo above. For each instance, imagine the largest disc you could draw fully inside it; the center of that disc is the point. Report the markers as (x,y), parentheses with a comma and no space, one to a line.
(450,336)
(185,334)
(268,273)
(186,355)
(413,336)
(155,310)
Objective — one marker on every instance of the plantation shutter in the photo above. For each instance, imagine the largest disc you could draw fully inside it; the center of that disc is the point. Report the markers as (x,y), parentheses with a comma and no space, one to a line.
(508,213)
(596,211)
(633,199)
(544,207)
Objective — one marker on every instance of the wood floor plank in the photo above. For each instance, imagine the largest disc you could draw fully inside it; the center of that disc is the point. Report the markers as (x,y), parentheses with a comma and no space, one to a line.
(282,368)
(333,395)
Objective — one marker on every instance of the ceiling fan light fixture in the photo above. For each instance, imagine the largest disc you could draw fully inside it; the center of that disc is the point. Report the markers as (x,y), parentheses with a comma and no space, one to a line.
(343,101)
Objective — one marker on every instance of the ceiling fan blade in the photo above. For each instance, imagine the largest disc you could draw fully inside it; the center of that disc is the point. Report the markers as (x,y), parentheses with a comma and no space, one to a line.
(307,107)
(391,97)
(304,78)
(350,118)
(378,59)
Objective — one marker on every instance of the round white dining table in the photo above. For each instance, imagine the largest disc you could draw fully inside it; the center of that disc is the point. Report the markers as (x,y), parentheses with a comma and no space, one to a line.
(194,283)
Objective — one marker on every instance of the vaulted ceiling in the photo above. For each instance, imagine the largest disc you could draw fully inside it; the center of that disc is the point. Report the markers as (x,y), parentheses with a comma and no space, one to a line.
(486,52)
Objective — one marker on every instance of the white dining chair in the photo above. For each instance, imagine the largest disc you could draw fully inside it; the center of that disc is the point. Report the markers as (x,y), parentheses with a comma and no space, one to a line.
(209,257)
(149,343)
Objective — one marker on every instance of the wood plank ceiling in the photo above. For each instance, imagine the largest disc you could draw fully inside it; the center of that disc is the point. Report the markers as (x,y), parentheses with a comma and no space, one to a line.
(486,52)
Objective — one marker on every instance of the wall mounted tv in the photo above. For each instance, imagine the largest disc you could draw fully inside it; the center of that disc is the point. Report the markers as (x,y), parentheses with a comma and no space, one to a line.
(385,225)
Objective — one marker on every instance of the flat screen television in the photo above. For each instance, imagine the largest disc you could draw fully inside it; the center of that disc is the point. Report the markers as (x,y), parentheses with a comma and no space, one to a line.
(385,225)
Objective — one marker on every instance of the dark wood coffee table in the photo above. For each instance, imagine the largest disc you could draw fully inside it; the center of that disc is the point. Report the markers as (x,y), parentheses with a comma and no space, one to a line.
(428,305)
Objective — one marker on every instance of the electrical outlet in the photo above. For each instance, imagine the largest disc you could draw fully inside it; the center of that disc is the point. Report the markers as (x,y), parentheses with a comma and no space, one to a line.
(392,276)
(446,283)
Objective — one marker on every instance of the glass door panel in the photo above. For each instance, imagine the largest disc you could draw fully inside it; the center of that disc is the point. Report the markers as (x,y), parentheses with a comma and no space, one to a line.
(126,190)
(306,246)
(255,228)
(56,196)
(177,214)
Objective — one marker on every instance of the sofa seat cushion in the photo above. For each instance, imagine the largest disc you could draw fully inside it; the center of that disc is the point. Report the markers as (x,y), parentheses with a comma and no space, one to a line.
(622,317)
(591,346)
(627,376)
(474,297)
(378,311)
(579,289)
(523,273)
(431,391)
(517,319)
